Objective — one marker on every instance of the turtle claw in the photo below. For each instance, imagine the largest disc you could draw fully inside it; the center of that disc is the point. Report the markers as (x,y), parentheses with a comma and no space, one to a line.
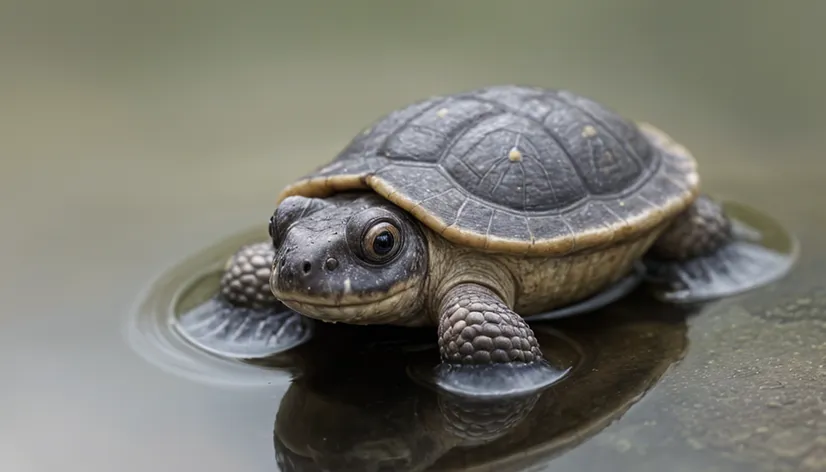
(229,330)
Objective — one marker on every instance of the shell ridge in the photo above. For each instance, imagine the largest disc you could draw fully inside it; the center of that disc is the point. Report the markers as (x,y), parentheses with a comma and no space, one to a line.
(507,108)
(628,149)
(490,224)
(555,139)
(542,166)
(459,212)
(558,99)
(464,130)
(571,232)
(524,188)
(653,205)
(618,216)
(530,231)
(553,212)
(675,181)
(501,178)
(427,199)
(436,101)
(468,167)
(493,166)
(570,157)
(461,158)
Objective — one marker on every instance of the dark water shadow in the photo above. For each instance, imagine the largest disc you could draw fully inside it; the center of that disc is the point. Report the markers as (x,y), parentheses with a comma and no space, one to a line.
(351,403)
(353,407)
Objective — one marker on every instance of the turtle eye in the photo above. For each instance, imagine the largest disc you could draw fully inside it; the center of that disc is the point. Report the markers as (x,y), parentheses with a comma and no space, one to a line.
(381,242)
(271,227)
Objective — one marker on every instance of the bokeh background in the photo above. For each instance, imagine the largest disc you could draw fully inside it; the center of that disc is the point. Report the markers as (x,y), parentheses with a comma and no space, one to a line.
(133,133)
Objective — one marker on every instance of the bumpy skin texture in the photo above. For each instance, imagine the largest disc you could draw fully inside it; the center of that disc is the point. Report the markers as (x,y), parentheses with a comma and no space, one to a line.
(475,327)
(479,422)
(701,230)
(322,269)
(245,281)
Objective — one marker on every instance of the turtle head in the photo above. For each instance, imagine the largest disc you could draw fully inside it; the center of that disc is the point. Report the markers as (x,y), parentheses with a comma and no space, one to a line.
(352,258)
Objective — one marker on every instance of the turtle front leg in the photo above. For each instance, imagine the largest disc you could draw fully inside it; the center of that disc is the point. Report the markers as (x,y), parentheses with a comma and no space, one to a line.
(477,328)
(486,348)
(705,254)
(244,319)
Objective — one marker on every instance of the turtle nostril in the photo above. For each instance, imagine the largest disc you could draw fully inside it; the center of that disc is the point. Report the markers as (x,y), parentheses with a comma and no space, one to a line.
(331,264)
(307,267)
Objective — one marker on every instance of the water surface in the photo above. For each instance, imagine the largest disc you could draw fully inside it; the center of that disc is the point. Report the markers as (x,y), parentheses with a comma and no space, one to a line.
(135,134)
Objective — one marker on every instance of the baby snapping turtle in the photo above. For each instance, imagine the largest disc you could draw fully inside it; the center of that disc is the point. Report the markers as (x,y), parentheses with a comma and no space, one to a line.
(471,211)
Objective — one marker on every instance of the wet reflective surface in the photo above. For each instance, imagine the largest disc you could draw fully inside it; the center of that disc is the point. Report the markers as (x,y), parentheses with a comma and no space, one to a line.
(136,134)
(357,410)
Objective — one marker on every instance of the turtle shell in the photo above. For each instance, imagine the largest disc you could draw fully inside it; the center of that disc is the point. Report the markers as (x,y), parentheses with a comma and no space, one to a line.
(516,169)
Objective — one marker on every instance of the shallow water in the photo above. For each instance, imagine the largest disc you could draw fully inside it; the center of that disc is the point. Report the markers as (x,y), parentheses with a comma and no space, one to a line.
(136,134)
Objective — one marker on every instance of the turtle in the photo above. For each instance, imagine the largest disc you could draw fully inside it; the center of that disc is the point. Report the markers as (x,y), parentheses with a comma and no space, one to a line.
(475,212)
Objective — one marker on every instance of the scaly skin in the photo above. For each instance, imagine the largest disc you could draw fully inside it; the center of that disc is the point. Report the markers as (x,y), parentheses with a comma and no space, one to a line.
(476,327)
(245,281)
(468,295)
(700,230)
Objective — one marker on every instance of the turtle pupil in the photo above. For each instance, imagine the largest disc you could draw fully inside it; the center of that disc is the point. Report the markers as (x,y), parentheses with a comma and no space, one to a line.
(383,243)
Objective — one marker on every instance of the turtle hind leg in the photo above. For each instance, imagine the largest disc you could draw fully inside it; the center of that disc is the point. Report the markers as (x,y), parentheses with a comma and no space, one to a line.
(244,319)
(705,255)
(487,350)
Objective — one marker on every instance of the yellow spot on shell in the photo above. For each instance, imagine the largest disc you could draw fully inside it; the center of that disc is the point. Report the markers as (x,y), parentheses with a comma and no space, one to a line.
(589,131)
(442,113)
(515,155)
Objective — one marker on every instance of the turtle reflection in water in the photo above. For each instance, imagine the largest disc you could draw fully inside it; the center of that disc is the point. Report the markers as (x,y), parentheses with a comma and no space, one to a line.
(472,213)
(354,409)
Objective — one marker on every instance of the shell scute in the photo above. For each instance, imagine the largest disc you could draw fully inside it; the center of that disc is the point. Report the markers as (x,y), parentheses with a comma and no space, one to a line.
(623,130)
(600,160)
(581,221)
(508,227)
(474,217)
(553,228)
(416,143)
(454,115)
(445,205)
(542,178)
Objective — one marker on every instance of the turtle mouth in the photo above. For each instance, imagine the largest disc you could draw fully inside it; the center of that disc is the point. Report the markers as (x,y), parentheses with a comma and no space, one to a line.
(354,308)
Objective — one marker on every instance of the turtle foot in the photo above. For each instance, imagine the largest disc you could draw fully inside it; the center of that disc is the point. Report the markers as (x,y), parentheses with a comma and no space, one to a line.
(244,319)
(487,350)
(757,252)
(229,330)
(490,381)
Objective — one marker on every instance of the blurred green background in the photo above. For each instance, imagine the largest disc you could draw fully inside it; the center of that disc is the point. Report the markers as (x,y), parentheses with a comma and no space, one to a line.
(209,105)
(134,132)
